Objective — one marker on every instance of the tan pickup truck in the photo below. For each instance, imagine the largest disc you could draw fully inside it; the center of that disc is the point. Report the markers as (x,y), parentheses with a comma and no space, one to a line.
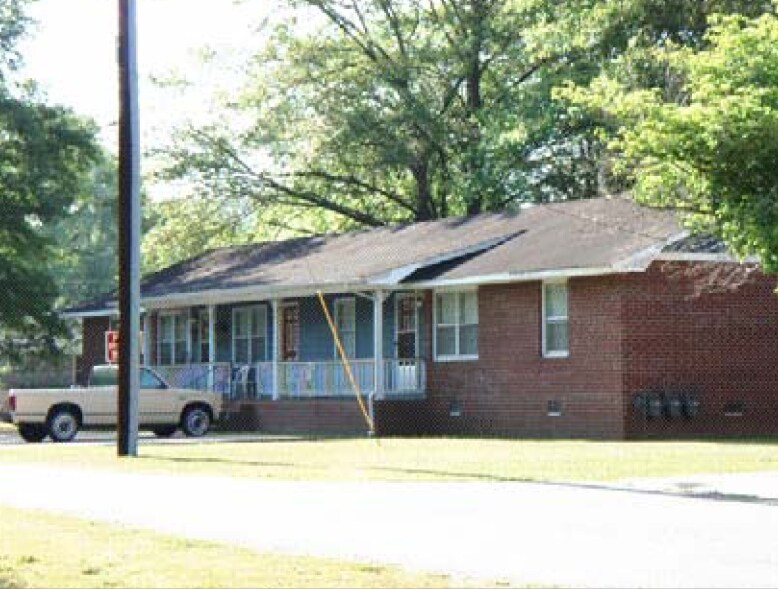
(60,413)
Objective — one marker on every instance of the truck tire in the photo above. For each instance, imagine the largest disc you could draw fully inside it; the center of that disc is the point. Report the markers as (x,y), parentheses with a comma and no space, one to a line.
(63,425)
(164,431)
(195,421)
(32,432)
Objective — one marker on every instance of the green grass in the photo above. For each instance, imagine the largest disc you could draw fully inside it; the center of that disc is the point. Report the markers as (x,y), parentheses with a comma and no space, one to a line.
(42,550)
(421,459)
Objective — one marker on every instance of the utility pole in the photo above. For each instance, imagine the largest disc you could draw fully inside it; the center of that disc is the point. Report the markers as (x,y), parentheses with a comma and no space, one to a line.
(129,233)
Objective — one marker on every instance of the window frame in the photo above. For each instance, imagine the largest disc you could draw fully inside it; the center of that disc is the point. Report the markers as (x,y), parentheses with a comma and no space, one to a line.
(249,334)
(456,357)
(339,301)
(176,316)
(557,319)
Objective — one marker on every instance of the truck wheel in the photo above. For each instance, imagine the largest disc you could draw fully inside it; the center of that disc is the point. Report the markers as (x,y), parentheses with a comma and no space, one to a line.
(196,421)
(164,431)
(32,432)
(63,425)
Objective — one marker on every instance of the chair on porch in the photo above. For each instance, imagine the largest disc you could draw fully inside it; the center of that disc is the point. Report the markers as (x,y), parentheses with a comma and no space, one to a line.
(244,385)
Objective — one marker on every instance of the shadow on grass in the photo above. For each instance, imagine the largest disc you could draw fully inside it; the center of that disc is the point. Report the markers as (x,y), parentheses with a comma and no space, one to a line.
(212,460)
(711,495)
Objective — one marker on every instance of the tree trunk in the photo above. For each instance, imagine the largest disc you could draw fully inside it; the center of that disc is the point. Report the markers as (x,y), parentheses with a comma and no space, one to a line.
(425,211)
(474,104)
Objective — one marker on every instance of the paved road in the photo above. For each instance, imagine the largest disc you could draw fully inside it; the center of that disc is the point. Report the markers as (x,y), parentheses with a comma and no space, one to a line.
(561,534)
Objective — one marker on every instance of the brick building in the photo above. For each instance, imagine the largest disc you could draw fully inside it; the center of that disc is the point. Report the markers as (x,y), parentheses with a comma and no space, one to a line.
(595,319)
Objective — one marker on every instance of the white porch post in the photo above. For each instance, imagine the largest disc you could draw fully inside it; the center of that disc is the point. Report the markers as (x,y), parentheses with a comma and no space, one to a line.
(147,339)
(378,342)
(211,345)
(277,327)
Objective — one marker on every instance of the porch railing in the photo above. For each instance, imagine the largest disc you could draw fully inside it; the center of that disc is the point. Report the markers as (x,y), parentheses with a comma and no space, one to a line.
(406,377)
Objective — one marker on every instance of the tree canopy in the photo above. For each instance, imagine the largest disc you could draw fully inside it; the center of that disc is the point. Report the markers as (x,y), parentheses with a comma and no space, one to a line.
(377,111)
(711,149)
(44,156)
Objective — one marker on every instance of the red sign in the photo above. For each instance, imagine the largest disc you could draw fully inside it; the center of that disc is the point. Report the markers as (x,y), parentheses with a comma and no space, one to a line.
(112,347)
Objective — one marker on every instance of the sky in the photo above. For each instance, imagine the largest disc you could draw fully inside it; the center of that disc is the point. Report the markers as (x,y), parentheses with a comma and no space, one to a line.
(71,53)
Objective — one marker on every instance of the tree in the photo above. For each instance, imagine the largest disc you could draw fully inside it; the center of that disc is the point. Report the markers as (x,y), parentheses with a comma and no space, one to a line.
(45,153)
(390,111)
(84,242)
(712,154)
(386,110)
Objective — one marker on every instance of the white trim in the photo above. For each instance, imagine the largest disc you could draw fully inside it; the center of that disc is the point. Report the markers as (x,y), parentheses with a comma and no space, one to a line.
(451,357)
(250,336)
(378,341)
(275,307)
(507,277)
(146,339)
(177,315)
(244,294)
(265,294)
(89,314)
(211,345)
(545,353)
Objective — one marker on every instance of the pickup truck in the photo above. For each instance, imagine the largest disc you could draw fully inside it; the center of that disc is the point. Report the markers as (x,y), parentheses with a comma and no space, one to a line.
(60,413)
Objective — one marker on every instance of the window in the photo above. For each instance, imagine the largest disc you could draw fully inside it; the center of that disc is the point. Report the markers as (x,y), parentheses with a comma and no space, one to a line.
(249,334)
(456,325)
(172,340)
(556,340)
(346,325)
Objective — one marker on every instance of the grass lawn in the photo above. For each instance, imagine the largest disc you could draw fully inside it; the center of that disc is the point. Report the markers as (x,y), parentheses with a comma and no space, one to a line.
(421,459)
(41,550)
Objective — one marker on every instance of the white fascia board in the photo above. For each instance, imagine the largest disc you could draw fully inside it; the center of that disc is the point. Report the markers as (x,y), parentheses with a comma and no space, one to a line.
(89,314)
(111,312)
(246,294)
(397,275)
(506,277)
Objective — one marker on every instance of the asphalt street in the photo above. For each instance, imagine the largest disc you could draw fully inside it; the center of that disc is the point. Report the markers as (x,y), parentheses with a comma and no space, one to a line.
(629,534)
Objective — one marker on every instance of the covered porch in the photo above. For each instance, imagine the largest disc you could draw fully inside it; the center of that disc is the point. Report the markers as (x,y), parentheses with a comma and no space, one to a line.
(284,349)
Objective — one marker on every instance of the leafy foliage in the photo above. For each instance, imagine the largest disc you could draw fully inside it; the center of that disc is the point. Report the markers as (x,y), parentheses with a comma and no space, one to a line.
(712,152)
(44,153)
(84,242)
(372,112)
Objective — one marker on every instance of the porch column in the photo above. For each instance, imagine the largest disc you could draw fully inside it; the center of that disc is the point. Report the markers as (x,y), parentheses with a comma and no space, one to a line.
(211,345)
(378,341)
(277,327)
(147,339)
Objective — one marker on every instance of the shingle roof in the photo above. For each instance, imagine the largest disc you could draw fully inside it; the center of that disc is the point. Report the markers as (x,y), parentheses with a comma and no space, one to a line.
(595,233)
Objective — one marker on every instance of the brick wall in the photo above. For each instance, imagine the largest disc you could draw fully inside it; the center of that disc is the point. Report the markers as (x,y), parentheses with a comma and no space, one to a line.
(340,417)
(705,329)
(298,416)
(685,332)
(508,389)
